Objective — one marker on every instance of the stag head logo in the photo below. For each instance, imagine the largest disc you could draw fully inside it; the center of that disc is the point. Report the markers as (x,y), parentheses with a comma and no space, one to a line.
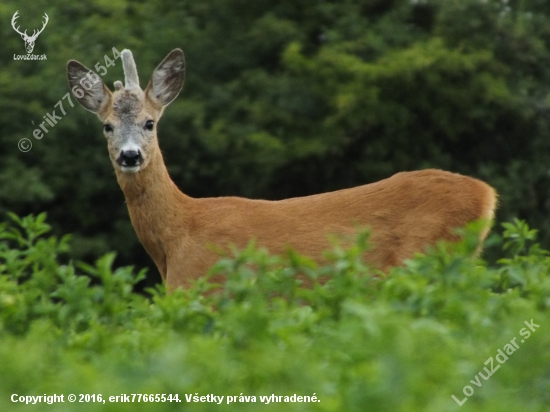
(29,40)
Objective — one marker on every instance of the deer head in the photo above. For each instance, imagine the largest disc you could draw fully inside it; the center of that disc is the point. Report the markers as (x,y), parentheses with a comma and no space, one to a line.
(29,40)
(130,114)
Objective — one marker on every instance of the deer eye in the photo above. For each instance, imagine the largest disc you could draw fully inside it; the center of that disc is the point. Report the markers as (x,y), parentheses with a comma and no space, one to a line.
(149,124)
(107,128)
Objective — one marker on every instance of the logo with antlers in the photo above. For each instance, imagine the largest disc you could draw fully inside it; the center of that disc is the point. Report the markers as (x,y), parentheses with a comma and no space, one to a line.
(29,40)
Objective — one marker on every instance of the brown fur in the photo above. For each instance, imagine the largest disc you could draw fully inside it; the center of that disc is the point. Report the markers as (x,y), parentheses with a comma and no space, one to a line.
(405,212)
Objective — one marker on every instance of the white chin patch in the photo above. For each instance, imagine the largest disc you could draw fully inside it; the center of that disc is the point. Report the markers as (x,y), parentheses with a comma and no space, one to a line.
(130,169)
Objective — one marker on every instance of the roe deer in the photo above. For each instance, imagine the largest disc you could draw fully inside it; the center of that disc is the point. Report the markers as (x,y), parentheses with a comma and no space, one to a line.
(405,212)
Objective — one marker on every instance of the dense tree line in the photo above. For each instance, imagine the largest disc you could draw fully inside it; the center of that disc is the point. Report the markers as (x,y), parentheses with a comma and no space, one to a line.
(283,98)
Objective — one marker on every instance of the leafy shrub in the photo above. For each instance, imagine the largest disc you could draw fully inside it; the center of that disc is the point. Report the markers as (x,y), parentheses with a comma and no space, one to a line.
(277,325)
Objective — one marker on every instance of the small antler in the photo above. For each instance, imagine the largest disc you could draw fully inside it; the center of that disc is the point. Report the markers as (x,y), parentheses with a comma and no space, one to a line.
(131,80)
(15,17)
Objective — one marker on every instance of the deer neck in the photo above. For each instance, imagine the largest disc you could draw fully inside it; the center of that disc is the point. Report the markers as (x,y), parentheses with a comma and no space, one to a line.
(158,209)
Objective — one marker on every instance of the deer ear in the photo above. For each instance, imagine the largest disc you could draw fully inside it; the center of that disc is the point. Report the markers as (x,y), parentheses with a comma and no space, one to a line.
(97,96)
(167,79)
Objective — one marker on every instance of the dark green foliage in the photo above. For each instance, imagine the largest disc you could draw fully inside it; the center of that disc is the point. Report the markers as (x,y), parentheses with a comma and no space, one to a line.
(405,342)
(281,99)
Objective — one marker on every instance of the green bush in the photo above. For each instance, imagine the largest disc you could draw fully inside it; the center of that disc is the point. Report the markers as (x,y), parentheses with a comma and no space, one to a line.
(408,341)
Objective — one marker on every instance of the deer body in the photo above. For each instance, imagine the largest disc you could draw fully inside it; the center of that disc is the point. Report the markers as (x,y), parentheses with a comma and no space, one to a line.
(178,231)
(405,212)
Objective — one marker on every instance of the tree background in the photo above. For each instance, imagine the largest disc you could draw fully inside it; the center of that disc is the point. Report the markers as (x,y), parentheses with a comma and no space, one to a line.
(282,98)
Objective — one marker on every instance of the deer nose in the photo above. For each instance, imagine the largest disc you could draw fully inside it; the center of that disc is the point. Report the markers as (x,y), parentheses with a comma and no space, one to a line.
(129,158)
